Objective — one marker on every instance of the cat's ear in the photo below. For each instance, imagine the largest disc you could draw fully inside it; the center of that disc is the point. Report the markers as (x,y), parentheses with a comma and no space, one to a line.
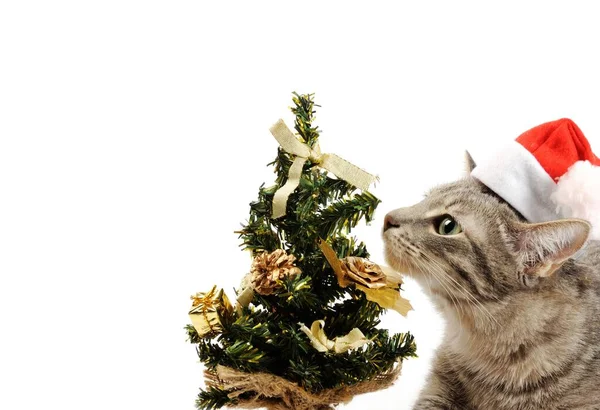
(469,162)
(542,248)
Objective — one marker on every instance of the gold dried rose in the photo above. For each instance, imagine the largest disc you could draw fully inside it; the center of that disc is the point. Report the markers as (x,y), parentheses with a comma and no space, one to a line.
(361,271)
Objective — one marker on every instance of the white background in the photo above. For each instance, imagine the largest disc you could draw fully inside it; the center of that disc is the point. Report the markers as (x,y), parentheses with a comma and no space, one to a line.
(134,135)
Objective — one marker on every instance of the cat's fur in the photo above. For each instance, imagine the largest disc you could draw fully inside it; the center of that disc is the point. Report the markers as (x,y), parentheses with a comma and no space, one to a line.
(522,302)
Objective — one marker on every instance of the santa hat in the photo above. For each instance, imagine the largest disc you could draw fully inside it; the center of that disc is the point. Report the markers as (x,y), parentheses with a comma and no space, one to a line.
(548,173)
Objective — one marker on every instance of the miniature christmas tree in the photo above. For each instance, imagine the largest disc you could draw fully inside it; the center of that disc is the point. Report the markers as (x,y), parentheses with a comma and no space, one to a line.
(303,332)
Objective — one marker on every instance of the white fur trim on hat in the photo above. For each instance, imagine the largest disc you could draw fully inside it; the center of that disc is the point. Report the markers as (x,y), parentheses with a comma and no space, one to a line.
(513,173)
(577,195)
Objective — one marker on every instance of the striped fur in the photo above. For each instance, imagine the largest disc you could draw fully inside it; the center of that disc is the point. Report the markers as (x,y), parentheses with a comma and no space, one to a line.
(523,308)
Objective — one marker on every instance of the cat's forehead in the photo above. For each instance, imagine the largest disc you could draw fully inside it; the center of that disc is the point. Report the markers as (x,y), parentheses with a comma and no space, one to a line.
(466,197)
(454,193)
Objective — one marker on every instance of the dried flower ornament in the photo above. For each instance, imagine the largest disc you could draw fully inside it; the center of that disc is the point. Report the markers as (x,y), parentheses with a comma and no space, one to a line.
(378,283)
(361,271)
(270,268)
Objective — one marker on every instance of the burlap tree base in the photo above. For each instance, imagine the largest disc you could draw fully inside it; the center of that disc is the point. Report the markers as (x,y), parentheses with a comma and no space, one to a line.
(276,393)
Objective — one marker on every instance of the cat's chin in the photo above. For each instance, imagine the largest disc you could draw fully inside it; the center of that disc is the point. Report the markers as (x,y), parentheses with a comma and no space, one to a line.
(401,264)
(398,264)
(431,287)
(429,284)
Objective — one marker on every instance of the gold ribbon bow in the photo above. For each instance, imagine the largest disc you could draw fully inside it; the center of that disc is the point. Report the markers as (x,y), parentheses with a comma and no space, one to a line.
(319,339)
(331,162)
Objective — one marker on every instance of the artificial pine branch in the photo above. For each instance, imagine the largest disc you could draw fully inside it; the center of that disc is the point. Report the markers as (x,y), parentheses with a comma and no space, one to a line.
(213,398)
(304,111)
(192,334)
(343,215)
(353,313)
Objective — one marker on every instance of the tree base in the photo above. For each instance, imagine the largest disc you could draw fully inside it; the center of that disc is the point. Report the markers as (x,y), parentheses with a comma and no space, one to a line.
(277,393)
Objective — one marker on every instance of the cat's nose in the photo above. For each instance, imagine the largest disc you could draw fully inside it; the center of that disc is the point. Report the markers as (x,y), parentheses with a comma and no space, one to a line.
(390,222)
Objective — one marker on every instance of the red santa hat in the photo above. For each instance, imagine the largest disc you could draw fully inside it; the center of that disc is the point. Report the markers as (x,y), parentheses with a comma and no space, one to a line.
(548,173)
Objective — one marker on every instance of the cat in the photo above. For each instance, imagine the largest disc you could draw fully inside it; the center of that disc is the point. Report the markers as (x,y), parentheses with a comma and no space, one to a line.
(522,301)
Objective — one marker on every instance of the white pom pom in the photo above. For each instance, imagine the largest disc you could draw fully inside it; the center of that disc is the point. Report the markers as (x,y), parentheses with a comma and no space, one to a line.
(577,195)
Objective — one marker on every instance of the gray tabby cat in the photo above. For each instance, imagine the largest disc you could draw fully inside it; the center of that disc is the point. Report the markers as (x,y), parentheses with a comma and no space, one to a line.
(522,304)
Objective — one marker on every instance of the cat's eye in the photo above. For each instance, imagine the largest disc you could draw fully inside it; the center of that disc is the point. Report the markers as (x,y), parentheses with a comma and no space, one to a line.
(446,225)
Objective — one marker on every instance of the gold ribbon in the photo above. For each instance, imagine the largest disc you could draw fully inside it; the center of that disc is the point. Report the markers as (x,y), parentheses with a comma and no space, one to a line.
(319,339)
(331,162)
(387,297)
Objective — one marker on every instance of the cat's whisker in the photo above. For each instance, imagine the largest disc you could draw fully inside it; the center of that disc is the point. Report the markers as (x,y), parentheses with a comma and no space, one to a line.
(445,287)
(439,276)
(469,304)
(428,283)
(453,298)
(471,300)
(461,289)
